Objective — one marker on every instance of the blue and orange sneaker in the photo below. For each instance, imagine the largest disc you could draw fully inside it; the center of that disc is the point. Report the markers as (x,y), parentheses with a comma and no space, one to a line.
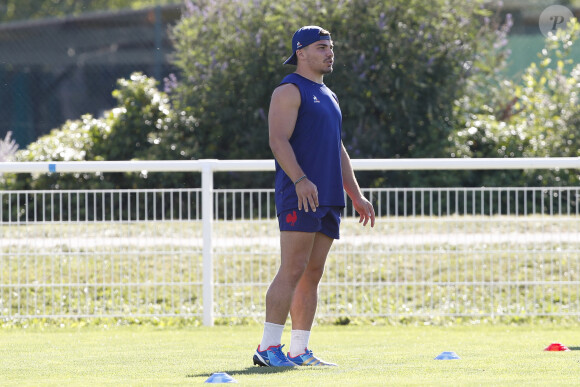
(308,359)
(272,357)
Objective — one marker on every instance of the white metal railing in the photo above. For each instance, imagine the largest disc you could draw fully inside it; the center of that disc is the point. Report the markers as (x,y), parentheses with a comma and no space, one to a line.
(434,251)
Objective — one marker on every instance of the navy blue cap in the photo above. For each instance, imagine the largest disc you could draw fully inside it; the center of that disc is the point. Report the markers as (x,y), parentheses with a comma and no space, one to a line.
(303,37)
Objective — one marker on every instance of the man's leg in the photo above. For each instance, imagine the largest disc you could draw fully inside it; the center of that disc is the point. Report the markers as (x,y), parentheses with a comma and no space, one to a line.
(304,304)
(295,248)
(305,299)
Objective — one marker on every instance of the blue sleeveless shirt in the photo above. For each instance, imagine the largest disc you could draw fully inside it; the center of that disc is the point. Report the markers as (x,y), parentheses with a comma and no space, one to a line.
(316,142)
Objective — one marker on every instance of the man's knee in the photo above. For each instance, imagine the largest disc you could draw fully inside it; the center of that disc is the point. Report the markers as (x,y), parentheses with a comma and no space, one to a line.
(292,271)
(314,273)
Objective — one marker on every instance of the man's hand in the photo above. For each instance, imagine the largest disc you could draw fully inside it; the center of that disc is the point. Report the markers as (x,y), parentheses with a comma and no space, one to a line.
(307,195)
(365,210)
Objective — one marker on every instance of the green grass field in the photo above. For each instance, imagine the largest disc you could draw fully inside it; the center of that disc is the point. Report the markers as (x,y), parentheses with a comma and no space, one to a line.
(367,356)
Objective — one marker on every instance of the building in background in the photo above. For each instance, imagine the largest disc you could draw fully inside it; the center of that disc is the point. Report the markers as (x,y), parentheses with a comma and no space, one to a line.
(53,70)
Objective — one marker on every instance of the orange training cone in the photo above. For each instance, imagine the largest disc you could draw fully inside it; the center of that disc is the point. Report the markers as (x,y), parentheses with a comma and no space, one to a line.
(556,347)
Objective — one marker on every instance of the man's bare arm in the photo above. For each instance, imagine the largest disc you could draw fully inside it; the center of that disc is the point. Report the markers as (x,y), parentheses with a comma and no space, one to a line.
(281,122)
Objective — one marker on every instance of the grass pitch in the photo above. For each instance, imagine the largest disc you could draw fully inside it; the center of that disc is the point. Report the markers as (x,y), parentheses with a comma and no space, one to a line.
(367,356)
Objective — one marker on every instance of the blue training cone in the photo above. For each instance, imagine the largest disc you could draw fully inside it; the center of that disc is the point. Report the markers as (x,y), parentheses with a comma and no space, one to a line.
(447,356)
(220,377)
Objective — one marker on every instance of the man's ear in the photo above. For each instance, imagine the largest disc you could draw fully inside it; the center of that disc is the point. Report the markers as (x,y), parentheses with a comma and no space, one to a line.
(299,53)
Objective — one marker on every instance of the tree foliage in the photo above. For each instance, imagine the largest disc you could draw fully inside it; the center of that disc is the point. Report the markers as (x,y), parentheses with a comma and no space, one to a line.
(12,10)
(142,126)
(399,67)
(8,147)
(414,79)
(540,116)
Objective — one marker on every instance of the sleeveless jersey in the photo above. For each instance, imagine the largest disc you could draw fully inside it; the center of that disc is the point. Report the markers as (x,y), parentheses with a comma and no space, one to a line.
(316,142)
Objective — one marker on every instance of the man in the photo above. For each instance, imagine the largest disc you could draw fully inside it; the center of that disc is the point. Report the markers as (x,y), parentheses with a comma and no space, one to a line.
(313,170)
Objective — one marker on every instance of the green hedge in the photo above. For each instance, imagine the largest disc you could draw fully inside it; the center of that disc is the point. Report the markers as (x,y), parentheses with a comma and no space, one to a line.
(142,126)
(540,117)
(399,67)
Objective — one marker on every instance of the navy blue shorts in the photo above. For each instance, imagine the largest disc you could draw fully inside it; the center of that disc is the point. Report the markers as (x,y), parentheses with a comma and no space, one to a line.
(325,220)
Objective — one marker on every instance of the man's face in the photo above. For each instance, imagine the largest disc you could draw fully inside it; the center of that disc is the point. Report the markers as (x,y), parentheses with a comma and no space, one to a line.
(319,56)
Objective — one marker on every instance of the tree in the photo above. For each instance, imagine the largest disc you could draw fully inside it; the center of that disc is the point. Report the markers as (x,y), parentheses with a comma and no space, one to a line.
(399,68)
(539,117)
(142,126)
(12,10)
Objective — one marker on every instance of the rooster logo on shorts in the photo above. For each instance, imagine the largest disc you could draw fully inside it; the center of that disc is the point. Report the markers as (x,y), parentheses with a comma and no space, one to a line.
(291,218)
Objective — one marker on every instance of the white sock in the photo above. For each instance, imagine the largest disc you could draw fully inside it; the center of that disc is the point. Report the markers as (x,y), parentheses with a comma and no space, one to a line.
(272,335)
(298,342)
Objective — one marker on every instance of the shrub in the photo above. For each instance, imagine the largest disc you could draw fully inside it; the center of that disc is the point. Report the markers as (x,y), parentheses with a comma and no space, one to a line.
(399,67)
(8,147)
(540,118)
(143,126)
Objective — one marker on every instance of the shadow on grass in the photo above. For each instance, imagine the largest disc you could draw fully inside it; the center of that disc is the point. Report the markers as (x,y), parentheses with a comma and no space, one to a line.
(247,371)
(574,348)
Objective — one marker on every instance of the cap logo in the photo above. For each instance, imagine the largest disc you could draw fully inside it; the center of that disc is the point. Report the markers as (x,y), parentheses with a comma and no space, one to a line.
(298,45)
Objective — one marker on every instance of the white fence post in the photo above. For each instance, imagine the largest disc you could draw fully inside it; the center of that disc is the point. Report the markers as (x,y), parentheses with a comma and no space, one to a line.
(207,215)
